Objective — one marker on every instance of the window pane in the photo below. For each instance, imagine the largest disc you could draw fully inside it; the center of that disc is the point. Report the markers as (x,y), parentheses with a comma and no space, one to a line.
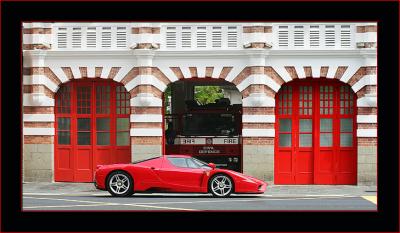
(285,140)
(179,162)
(103,138)
(83,138)
(64,123)
(305,140)
(64,138)
(325,139)
(122,124)
(346,139)
(305,125)
(103,124)
(191,164)
(325,125)
(83,124)
(285,125)
(346,125)
(123,139)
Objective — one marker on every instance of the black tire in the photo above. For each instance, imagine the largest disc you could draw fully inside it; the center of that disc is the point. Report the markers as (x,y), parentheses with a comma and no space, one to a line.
(119,184)
(221,185)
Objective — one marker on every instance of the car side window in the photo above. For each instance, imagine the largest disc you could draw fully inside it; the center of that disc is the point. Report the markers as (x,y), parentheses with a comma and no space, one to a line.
(179,162)
(191,164)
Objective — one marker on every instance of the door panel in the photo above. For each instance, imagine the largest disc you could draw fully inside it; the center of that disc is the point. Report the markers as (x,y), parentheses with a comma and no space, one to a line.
(92,122)
(64,165)
(320,144)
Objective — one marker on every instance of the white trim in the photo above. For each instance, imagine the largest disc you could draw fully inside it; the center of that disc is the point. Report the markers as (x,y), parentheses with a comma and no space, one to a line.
(37,39)
(366,37)
(186,72)
(121,73)
(169,74)
(146,118)
(76,72)
(234,72)
(367,133)
(258,100)
(367,119)
(146,100)
(370,79)
(331,71)
(37,99)
(217,71)
(38,117)
(91,71)
(105,72)
(258,118)
(59,73)
(258,132)
(37,25)
(258,79)
(201,71)
(367,101)
(146,132)
(252,37)
(38,131)
(142,38)
(350,71)
(145,79)
(39,79)
(283,73)
(316,71)
(300,71)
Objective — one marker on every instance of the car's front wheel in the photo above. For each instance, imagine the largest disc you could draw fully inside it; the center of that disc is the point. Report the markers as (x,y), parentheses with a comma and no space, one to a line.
(221,185)
(120,184)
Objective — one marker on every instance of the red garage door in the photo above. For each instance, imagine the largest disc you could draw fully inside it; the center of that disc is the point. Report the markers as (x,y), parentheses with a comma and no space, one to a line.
(315,141)
(92,128)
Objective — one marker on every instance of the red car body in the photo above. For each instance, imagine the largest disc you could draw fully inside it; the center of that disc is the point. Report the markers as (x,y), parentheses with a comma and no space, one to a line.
(160,175)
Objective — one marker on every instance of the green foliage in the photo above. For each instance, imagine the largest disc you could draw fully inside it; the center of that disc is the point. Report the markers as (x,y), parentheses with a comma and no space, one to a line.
(167,93)
(207,94)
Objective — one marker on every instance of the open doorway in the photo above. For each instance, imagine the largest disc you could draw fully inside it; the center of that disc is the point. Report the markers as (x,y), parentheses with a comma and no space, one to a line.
(203,118)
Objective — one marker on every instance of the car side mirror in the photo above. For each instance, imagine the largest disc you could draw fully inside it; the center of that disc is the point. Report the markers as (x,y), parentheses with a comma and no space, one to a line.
(212,165)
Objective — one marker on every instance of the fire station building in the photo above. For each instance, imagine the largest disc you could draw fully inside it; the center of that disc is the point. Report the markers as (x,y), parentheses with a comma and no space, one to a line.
(292,103)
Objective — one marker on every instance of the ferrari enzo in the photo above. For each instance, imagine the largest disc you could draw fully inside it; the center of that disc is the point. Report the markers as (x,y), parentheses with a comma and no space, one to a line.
(173,173)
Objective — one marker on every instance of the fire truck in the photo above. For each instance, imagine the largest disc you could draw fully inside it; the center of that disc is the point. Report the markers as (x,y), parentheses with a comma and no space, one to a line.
(209,132)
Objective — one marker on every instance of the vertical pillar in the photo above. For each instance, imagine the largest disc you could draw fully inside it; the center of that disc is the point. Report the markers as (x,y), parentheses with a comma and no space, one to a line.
(257,35)
(146,94)
(364,84)
(258,123)
(36,36)
(366,36)
(39,86)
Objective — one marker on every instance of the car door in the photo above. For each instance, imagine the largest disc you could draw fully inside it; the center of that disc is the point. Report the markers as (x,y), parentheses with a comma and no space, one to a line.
(180,175)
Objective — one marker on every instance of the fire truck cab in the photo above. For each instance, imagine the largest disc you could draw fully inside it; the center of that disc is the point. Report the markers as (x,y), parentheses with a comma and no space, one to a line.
(208,131)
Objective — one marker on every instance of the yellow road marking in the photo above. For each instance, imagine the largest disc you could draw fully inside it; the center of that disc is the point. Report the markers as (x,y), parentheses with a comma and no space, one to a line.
(372,199)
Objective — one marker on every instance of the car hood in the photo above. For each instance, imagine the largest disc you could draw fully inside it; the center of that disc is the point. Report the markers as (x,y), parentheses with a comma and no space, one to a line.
(240,175)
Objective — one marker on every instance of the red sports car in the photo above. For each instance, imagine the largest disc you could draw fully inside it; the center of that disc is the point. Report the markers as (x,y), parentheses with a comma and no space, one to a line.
(174,173)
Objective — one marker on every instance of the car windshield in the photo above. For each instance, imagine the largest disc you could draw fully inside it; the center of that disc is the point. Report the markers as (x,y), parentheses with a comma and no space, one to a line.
(144,160)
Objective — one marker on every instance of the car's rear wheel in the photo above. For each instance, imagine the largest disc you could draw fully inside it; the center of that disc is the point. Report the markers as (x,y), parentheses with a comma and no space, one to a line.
(221,185)
(120,184)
